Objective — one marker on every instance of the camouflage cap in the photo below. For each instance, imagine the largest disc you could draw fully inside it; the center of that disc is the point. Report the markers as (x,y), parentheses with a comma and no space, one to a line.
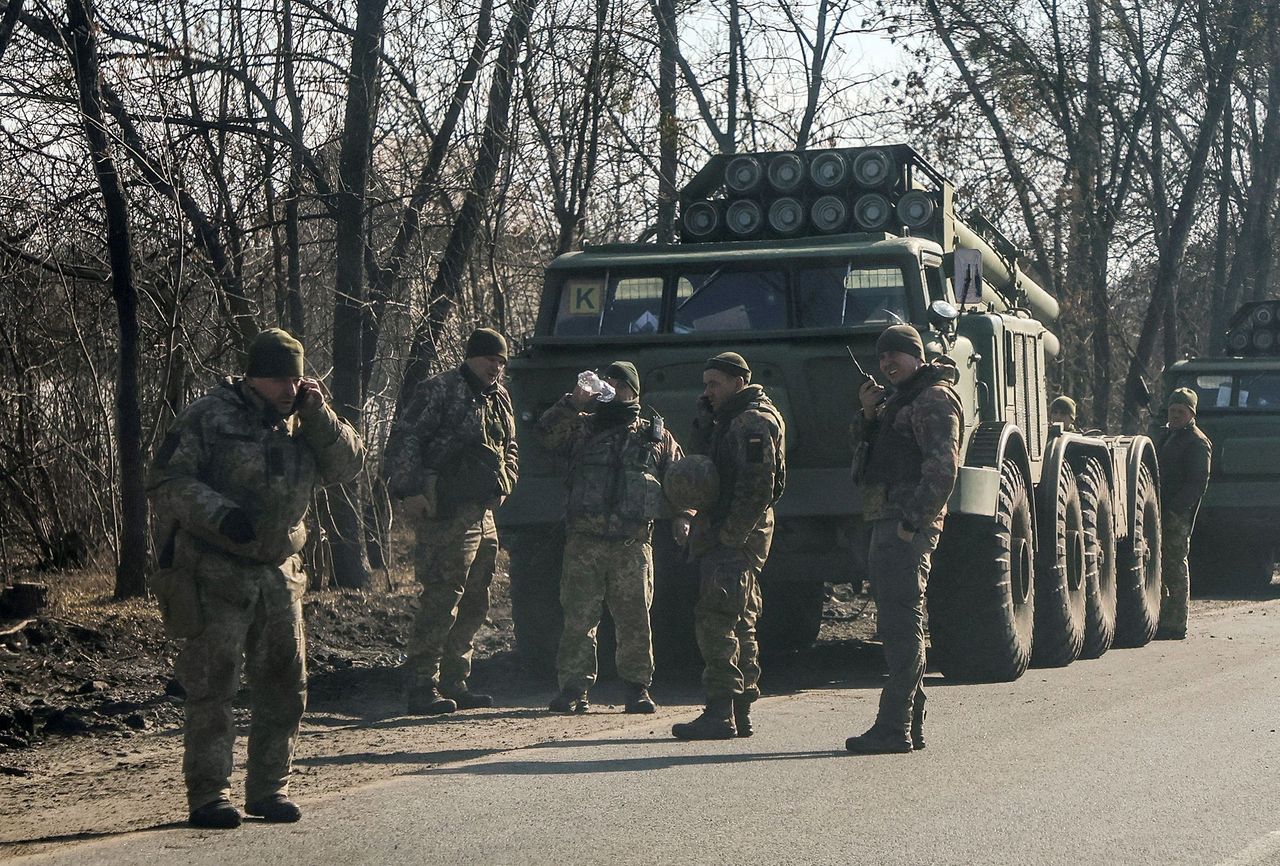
(274,354)
(1185,397)
(1063,404)
(692,482)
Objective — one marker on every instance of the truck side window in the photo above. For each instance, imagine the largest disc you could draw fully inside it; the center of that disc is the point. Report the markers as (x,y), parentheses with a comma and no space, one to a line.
(620,304)
(838,295)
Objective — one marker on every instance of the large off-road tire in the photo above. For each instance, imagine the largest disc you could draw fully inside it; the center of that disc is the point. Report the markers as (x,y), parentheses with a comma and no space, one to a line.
(537,556)
(1060,574)
(1138,583)
(1100,560)
(981,593)
(791,617)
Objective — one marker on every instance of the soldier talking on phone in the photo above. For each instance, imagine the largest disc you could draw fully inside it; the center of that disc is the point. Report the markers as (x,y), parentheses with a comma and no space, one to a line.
(230,486)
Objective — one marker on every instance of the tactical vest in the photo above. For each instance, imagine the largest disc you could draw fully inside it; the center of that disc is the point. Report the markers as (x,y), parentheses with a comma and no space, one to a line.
(476,471)
(613,480)
(896,456)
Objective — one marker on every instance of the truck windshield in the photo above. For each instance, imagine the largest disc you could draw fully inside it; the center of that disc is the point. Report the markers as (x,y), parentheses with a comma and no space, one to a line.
(709,298)
(1258,391)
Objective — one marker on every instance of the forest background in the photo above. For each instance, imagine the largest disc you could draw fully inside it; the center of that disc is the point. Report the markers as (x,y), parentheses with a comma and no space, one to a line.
(379,176)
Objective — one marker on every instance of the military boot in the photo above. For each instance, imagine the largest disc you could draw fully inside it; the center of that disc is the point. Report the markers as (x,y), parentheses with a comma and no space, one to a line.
(426,700)
(218,815)
(918,715)
(572,701)
(715,723)
(638,700)
(879,740)
(742,714)
(467,699)
(277,809)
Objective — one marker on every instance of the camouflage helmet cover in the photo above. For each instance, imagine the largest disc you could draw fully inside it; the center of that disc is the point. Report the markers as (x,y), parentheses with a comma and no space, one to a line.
(692,482)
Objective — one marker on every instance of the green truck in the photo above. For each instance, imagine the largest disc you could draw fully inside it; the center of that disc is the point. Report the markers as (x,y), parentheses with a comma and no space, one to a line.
(798,260)
(1234,545)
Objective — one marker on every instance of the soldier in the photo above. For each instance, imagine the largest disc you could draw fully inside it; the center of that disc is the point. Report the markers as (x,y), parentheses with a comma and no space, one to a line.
(230,486)
(1063,411)
(451,459)
(908,475)
(1184,455)
(741,430)
(617,460)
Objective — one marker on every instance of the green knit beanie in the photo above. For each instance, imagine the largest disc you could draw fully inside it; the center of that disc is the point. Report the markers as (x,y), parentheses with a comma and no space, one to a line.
(486,341)
(730,363)
(901,338)
(1185,397)
(274,354)
(626,371)
(1063,404)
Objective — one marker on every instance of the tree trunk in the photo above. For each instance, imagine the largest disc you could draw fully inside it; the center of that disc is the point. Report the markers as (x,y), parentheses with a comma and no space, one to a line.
(668,123)
(493,144)
(131,558)
(350,568)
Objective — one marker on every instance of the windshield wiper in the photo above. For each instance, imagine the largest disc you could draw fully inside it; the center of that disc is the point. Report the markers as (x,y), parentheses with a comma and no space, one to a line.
(708,281)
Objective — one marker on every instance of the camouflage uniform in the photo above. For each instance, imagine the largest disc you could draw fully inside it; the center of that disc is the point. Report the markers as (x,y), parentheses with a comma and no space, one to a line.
(910,471)
(746,439)
(456,442)
(614,495)
(228,451)
(1184,456)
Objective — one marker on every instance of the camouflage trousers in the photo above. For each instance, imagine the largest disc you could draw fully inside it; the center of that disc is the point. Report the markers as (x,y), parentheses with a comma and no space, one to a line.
(1175,546)
(725,616)
(253,621)
(617,572)
(899,574)
(454,560)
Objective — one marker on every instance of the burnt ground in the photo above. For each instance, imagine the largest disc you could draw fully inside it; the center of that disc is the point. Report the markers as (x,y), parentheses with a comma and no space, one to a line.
(90,720)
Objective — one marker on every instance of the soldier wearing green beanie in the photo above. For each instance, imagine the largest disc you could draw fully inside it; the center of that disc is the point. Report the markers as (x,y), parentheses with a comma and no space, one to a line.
(451,459)
(1184,454)
(1063,411)
(230,487)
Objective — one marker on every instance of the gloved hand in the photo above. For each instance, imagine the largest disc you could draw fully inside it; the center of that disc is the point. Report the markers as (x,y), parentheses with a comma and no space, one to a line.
(237,527)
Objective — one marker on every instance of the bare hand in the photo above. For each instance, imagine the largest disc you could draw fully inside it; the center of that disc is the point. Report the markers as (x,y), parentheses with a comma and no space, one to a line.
(680,530)
(310,397)
(905,534)
(870,395)
(581,398)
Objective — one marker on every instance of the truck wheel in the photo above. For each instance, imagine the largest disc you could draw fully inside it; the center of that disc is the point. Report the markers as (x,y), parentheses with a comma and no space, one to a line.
(1060,577)
(791,616)
(982,594)
(1138,584)
(1100,561)
(537,555)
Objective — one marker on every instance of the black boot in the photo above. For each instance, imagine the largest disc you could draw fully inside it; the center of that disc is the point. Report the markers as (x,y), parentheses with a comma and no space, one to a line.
(573,701)
(918,716)
(277,808)
(742,714)
(467,699)
(879,740)
(715,723)
(426,700)
(218,815)
(638,700)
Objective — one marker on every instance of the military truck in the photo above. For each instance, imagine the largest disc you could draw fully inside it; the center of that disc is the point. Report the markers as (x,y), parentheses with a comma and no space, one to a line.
(1234,545)
(797,260)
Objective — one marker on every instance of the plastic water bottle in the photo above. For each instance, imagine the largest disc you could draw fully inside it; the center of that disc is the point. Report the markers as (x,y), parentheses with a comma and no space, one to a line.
(589,381)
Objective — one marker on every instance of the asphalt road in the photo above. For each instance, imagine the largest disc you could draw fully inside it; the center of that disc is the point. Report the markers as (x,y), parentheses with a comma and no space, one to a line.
(1164,755)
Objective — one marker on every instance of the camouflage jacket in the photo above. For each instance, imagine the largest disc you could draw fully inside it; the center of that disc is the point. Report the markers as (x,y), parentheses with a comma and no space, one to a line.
(747,442)
(226,451)
(458,428)
(615,474)
(1184,456)
(915,450)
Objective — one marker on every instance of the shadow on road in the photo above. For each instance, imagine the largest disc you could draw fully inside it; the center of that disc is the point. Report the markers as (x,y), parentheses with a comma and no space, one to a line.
(623,765)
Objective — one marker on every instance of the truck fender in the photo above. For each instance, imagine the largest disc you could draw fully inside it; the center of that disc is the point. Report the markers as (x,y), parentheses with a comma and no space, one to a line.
(978,482)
